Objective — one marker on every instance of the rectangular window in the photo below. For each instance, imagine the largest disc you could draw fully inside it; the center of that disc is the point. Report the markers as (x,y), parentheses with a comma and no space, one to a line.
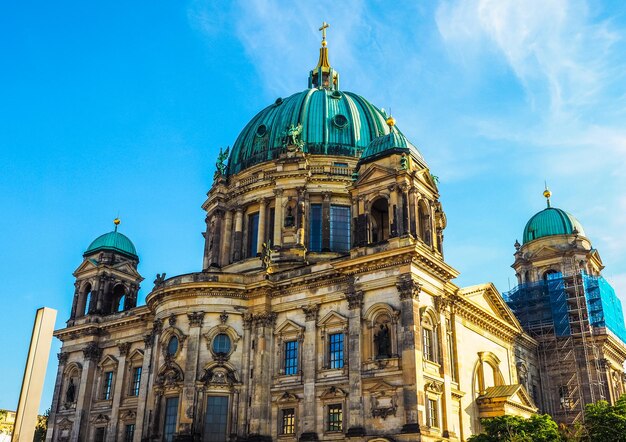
(433,413)
(427,335)
(339,228)
(129,433)
(335,417)
(291,357)
(216,419)
(315,228)
(171,416)
(136,382)
(253,233)
(99,434)
(288,422)
(335,350)
(106,386)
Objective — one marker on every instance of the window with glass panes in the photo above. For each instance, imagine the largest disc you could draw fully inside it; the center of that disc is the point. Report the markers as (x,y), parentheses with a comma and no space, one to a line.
(129,432)
(253,233)
(291,357)
(335,417)
(216,419)
(429,353)
(136,381)
(288,421)
(99,434)
(171,416)
(433,413)
(106,385)
(315,228)
(339,228)
(335,350)
(221,344)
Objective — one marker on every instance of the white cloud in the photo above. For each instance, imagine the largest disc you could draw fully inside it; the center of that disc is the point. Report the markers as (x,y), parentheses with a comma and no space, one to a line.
(554,47)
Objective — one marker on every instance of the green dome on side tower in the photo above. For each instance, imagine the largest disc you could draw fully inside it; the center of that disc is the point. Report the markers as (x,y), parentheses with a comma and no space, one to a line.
(551,221)
(113,242)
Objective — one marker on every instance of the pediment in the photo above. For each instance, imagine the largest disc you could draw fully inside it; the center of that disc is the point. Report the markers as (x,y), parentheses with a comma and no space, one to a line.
(332,318)
(514,394)
(136,355)
(374,172)
(289,326)
(381,387)
(86,265)
(333,393)
(487,298)
(127,269)
(108,360)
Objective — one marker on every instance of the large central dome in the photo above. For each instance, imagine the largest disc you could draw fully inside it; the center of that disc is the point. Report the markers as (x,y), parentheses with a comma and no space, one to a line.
(333,122)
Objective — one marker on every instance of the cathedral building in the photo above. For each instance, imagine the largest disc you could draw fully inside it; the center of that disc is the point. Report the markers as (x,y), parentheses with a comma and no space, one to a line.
(324,309)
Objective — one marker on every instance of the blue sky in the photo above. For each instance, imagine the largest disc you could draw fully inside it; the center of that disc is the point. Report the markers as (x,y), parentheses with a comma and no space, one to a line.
(121,107)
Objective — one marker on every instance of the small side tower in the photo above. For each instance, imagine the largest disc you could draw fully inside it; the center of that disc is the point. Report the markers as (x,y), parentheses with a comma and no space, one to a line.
(563,302)
(107,281)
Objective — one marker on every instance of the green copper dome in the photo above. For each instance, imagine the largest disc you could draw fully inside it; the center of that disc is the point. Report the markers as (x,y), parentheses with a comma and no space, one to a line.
(393,142)
(113,242)
(323,121)
(551,221)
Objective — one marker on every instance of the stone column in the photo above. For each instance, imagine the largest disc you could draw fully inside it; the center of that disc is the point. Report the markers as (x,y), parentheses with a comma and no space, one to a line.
(408,290)
(261,228)
(152,397)
(141,423)
(405,209)
(278,218)
(118,392)
(80,429)
(75,300)
(226,238)
(393,211)
(245,373)
(355,395)
(326,222)
(96,291)
(442,304)
(309,368)
(412,211)
(188,396)
(260,411)
(238,234)
(57,397)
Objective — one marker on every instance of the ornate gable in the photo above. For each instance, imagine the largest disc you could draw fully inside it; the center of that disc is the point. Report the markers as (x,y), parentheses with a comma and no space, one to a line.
(373,173)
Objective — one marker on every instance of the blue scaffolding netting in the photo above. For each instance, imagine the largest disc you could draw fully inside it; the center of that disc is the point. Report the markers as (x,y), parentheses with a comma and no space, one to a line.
(542,305)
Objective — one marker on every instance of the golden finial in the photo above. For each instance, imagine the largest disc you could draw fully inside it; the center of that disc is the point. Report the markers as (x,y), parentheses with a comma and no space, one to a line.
(117,222)
(391,122)
(323,29)
(547,194)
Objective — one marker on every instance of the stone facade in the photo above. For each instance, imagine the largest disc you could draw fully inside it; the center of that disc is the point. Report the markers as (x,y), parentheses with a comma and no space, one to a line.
(286,336)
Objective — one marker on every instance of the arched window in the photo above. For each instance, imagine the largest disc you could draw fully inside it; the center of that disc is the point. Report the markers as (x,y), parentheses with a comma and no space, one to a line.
(86,297)
(221,344)
(172,346)
(551,274)
(380,220)
(382,337)
(429,338)
(118,297)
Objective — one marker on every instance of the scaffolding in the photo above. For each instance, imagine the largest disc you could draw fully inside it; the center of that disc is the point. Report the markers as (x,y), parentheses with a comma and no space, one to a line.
(562,313)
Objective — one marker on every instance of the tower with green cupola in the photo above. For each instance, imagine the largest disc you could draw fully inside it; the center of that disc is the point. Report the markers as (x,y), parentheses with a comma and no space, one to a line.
(107,281)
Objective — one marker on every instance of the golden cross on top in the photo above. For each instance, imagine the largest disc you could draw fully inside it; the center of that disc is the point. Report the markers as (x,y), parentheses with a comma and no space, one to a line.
(323,29)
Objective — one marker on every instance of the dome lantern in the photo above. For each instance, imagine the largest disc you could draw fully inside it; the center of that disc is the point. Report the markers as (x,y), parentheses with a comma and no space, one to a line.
(323,76)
